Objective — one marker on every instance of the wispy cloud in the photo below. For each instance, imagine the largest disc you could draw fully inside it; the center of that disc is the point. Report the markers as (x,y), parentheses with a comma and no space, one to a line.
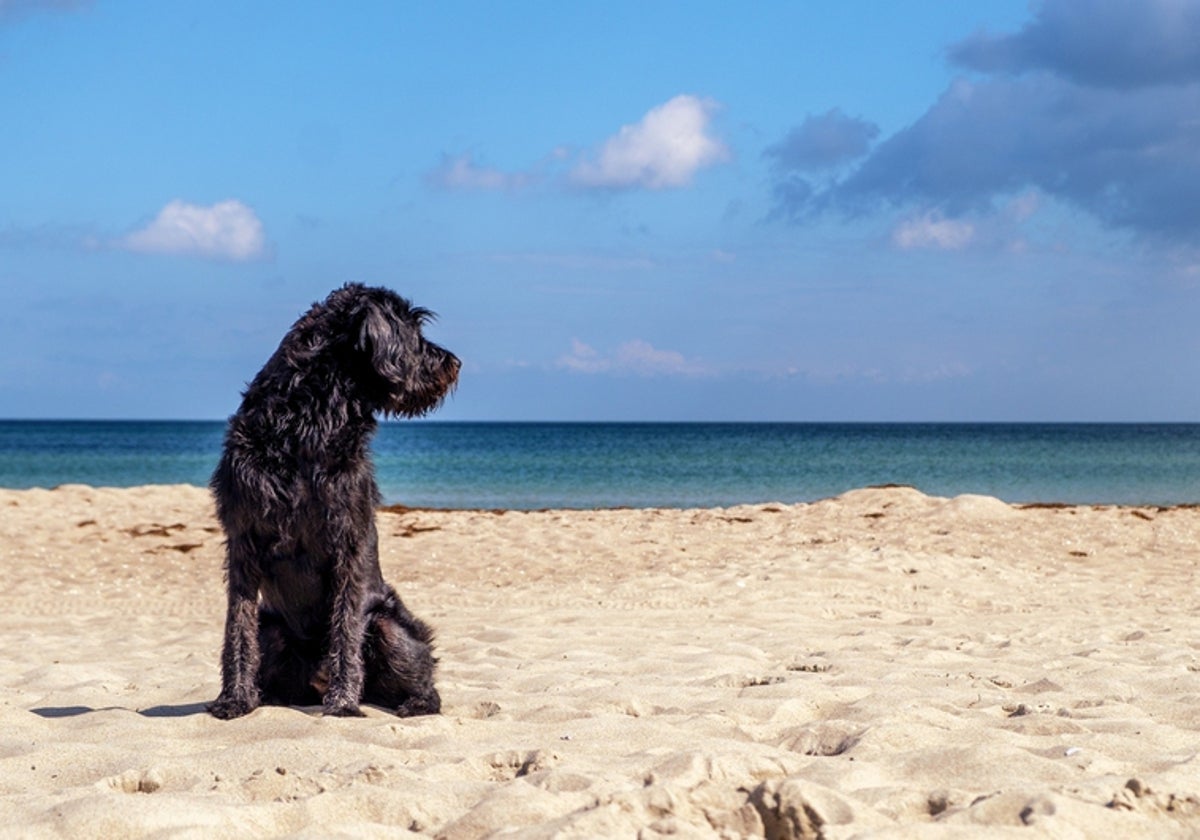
(636,357)
(666,148)
(930,230)
(227,230)
(463,172)
(888,372)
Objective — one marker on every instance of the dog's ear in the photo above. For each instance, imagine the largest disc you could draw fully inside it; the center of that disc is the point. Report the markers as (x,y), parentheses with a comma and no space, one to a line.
(381,338)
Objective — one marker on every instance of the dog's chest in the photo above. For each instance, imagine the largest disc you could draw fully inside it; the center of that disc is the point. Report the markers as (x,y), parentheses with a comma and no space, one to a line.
(299,588)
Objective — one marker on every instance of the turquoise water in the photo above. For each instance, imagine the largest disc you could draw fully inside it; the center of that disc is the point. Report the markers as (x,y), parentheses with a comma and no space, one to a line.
(583,465)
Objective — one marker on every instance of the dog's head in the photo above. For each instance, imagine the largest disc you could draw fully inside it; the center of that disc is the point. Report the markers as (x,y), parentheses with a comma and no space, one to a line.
(380,346)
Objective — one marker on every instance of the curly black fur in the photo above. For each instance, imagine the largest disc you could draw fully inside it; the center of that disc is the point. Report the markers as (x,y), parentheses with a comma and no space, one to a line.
(310,618)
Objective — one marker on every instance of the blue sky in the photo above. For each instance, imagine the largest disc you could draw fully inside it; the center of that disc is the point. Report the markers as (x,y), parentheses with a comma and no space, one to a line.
(620,211)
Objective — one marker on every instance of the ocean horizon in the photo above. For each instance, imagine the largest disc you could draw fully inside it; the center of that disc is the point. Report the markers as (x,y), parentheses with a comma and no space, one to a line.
(536,465)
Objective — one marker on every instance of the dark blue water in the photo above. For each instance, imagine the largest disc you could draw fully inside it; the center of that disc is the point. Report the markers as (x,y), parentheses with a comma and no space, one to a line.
(582,465)
(107,453)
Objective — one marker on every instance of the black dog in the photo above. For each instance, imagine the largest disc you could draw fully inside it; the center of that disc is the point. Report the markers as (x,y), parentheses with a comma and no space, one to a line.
(311,619)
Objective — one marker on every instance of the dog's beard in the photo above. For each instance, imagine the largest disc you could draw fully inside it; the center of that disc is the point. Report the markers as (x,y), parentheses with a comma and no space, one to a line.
(437,384)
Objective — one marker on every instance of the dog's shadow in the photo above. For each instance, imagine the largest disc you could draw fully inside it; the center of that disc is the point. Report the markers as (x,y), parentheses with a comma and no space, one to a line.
(180,710)
(164,711)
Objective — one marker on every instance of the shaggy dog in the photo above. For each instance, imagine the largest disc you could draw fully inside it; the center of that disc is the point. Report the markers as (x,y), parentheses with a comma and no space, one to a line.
(311,619)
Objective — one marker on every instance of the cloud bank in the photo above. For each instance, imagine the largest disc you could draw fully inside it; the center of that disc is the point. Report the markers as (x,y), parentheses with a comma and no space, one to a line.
(1121,43)
(1092,105)
(227,230)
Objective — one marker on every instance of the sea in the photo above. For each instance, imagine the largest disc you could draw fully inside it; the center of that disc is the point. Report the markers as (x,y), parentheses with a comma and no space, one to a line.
(525,466)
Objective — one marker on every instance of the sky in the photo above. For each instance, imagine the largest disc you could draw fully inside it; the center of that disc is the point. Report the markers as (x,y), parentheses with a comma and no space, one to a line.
(836,210)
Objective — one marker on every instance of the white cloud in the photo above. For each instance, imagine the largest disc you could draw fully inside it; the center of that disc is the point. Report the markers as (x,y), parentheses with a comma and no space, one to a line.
(227,230)
(636,357)
(461,172)
(665,149)
(932,231)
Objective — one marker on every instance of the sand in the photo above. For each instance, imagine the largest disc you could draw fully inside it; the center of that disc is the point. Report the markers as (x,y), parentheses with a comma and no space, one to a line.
(883,664)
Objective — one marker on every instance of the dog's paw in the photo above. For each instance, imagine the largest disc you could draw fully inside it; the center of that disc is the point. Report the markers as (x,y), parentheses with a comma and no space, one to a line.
(342,710)
(228,708)
(424,704)
(341,704)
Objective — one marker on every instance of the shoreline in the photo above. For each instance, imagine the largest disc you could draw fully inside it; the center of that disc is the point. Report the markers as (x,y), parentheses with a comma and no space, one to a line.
(399,508)
(884,663)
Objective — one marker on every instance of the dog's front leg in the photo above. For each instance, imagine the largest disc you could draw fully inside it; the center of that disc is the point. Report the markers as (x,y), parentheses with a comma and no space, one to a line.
(240,654)
(346,628)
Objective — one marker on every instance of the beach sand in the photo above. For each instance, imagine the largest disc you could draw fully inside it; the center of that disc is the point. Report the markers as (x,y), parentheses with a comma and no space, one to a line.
(882,664)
